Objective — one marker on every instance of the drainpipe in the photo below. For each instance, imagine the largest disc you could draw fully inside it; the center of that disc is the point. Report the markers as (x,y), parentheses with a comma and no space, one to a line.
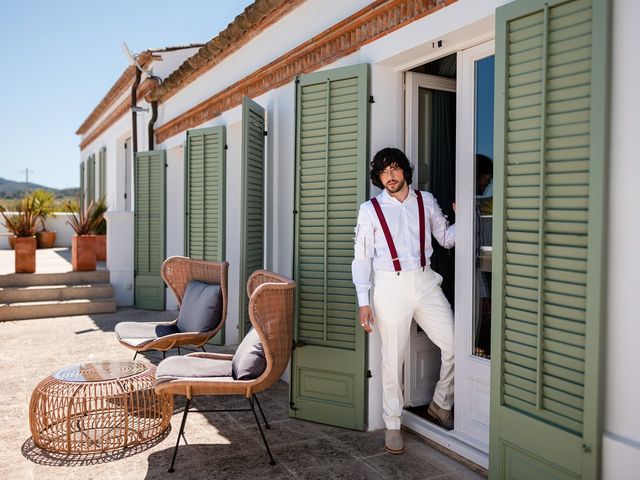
(154,117)
(134,120)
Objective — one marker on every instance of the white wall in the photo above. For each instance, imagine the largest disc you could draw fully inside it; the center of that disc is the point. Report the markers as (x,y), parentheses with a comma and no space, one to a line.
(120,234)
(57,223)
(175,211)
(621,443)
(232,226)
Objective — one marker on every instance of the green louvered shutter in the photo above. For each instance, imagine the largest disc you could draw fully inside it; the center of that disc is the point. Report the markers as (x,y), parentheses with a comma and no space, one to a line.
(252,253)
(102,172)
(81,194)
(205,180)
(205,194)
(328,379)
(150,218)
(91,178)
(549,171)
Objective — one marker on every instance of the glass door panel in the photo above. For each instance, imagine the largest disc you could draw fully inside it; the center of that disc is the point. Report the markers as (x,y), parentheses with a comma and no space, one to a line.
(483,158)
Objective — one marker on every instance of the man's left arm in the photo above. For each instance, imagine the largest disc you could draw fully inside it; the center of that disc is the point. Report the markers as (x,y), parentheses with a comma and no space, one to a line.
(444,233)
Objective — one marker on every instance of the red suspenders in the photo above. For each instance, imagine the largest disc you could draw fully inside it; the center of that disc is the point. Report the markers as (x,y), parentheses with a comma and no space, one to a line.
(389,238)
(387,234)
(423,259)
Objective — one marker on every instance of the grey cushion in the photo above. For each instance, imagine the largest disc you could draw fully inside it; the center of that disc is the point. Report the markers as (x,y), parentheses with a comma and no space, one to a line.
(190,367)
(139,333)
(201,308)
(248,361)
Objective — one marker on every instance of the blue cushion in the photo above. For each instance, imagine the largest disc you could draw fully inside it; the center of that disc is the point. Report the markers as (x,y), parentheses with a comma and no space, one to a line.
(248,361)
(201,308)
(162,330)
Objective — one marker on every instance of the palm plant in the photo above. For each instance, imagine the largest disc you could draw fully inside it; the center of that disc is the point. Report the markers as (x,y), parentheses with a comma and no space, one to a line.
(43,202)
(24,222)
(99,210)
(83,221)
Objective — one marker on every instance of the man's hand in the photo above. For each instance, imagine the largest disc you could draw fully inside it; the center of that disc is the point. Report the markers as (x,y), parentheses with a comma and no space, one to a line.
(366,318)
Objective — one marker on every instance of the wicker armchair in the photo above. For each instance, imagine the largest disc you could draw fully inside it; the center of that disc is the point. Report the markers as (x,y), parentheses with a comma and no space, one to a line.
(177,272)
(271,299)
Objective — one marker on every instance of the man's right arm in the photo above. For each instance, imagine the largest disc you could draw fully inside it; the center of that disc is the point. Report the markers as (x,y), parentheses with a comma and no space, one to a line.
(363,256)
(361,267)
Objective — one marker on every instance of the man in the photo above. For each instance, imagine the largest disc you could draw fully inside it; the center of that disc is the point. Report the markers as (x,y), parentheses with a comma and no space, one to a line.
(394,234)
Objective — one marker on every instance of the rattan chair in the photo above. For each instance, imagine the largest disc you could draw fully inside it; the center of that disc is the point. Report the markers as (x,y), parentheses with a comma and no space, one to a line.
(271,298)
(177,272)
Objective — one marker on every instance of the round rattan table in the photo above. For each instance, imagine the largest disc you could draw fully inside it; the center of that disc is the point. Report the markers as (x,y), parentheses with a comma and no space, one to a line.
(98,407)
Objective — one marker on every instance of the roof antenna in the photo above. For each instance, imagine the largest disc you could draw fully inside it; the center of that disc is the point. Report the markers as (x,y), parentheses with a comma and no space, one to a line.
(133,60)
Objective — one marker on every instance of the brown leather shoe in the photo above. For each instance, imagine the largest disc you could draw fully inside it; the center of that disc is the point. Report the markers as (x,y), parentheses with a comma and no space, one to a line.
(393,442)
(443,417)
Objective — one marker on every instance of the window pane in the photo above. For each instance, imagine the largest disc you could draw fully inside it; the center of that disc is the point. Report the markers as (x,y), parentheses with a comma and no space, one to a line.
(484,76)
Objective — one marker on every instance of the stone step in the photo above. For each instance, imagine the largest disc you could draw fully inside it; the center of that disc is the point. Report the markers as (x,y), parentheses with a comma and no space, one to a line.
(60,308)
(43,279)
(41,293)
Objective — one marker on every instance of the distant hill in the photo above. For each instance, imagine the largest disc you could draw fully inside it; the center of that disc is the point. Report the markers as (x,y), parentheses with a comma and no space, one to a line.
(10,189)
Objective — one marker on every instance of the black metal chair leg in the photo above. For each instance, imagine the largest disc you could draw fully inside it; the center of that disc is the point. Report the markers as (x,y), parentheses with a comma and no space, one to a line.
(135,355)
(164,354)
(266,424)
(202,347)
(179,353)
(264,439)
(180,434)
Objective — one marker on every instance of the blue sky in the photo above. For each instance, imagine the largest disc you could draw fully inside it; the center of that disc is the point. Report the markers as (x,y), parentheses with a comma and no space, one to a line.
(59,58)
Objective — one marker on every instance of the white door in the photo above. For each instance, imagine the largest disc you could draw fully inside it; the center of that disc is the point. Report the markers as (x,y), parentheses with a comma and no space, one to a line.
(422,361)
(474,159)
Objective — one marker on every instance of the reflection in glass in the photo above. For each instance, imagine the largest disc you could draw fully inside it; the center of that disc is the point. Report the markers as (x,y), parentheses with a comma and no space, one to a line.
(484,205)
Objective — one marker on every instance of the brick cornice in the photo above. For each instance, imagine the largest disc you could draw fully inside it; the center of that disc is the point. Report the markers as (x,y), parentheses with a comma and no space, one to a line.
(365,26)
(252,21)
(119,87)
(119,111)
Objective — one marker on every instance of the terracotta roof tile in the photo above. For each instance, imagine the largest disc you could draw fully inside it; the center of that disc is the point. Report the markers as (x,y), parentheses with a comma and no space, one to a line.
(255,18)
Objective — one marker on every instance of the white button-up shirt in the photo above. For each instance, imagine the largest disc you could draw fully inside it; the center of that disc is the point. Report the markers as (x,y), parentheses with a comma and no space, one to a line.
(403,221)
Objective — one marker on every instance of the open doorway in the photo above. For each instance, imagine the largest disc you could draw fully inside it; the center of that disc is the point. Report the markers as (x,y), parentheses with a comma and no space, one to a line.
(431,142)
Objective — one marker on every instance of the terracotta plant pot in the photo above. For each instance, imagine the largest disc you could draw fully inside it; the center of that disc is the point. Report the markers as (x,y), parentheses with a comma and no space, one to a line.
(46,239)
(25,248)
(11,240)
(83,253)
(101,248)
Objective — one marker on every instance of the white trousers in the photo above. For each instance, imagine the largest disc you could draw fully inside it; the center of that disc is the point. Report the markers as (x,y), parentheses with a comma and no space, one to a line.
(397,299)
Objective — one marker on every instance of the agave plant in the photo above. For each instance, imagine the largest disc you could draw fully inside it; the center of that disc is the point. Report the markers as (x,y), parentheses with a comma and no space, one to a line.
(83,221)
(99,210)
(24,222)
(43,202)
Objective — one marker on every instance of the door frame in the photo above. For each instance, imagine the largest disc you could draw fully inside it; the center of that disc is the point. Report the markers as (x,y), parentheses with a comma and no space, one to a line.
(457,440)
(473,374)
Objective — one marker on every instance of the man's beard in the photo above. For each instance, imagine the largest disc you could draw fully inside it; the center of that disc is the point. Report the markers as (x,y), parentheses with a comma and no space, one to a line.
(395,188)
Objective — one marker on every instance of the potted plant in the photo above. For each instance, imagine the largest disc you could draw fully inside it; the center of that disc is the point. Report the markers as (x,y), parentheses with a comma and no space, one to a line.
(44,205)
(83,243)
(23,224)
(100,230)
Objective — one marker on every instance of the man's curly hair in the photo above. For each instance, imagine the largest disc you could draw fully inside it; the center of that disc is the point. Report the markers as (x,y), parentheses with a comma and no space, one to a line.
(386,157)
